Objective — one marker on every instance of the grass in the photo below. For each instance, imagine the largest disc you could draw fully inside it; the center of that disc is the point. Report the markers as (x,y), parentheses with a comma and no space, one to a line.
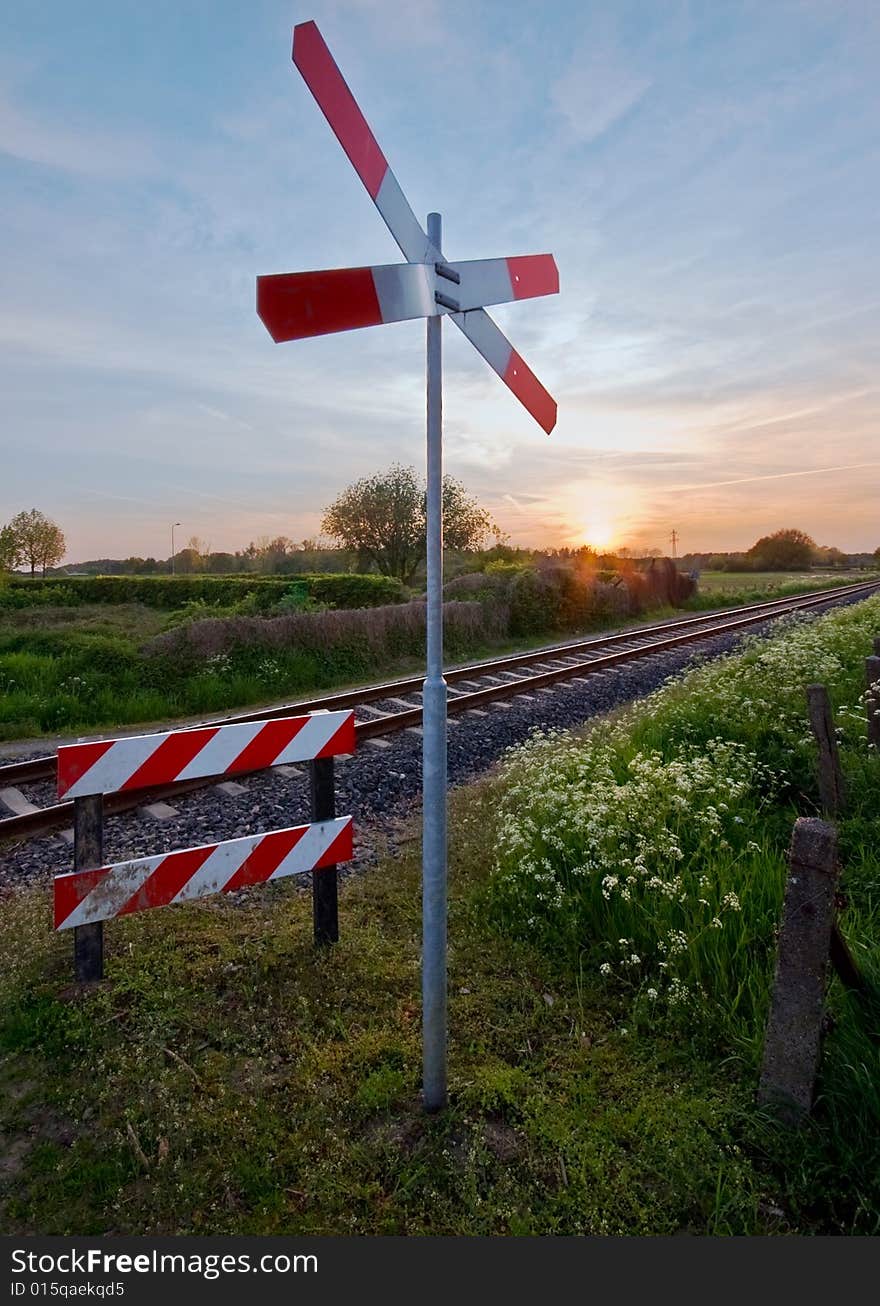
(65,669)
(652,854)
(227,1077)
(723,588)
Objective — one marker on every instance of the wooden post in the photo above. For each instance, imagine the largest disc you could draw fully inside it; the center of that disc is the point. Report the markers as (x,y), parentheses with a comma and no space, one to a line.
(831,788)
(833,795)
(872,677)
(325,907)
(88,854)
(794,1028)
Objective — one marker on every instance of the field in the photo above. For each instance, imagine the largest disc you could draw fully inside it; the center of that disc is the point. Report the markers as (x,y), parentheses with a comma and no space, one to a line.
(720,584)
(66,668)
(612,945)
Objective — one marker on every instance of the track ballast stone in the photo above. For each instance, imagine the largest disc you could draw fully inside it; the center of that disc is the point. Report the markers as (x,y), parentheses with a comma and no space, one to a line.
(380,788)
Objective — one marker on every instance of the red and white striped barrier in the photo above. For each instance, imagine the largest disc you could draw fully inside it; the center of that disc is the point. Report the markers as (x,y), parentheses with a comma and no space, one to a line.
(142,761)
(297,305)
(85,897)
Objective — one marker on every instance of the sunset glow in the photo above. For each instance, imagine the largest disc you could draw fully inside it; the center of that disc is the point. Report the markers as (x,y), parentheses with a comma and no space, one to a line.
(712,349)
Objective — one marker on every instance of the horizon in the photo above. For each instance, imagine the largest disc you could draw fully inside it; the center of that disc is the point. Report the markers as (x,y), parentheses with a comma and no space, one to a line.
(706,182)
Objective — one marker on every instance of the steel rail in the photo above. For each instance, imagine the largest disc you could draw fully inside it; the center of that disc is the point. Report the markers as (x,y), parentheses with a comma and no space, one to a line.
(59,815)
(44,768)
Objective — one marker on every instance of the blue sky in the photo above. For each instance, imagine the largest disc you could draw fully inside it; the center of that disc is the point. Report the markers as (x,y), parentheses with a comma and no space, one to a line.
(706,175)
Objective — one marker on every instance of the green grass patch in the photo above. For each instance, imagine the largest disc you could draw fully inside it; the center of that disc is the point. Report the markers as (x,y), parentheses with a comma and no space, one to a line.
(732,589)
(86,667)
(227,1077)
(652,854)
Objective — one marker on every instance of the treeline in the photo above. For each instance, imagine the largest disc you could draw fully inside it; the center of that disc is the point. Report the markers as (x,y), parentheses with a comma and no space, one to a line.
(277,557)
(309,558)
(784,550)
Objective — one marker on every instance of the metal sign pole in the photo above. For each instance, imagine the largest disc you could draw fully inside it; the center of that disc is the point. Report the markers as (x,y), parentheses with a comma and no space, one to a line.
(434,740)
(296,305)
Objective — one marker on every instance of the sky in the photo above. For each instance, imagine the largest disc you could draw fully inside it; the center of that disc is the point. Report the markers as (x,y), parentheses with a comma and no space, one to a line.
(704,171)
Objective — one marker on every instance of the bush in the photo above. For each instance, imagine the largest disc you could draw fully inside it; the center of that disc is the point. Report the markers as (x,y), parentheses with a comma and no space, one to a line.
(172,592)
(368,637)
(653,849)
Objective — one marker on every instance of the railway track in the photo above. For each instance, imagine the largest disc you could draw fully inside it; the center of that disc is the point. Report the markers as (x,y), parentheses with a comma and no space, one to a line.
(386,708)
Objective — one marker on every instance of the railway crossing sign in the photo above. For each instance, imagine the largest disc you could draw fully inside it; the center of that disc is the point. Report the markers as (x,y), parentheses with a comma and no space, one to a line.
(297,305)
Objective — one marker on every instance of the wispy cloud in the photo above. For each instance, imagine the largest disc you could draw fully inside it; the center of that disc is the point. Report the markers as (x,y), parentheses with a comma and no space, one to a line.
(88,150)
(600,84)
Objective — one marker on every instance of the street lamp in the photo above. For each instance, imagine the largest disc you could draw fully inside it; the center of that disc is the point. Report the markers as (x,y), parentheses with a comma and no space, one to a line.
(173,524)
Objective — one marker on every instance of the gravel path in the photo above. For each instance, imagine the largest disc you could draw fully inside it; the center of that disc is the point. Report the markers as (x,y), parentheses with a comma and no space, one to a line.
(380,787)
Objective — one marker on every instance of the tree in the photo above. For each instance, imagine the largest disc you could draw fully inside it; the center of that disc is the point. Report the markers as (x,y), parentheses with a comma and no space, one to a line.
(220,562)
(197,550)
(785,550)
(187,561)
(9,549)
(39,541)
(383,519)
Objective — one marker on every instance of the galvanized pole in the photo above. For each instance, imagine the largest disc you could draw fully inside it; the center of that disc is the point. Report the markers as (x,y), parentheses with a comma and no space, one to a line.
(434,742)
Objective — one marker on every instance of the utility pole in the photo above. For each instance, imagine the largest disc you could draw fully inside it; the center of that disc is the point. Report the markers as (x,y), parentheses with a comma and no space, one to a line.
(674,539)
(173,524)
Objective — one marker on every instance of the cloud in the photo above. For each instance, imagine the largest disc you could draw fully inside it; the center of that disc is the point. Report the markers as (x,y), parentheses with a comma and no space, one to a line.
(600,85)
(86,150)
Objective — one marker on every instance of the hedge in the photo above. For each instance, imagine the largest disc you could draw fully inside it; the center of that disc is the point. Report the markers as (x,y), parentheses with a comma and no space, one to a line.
(338,591)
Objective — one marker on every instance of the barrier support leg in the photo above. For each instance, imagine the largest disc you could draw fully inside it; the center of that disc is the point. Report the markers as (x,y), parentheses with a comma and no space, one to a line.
(325,902)
(88,854)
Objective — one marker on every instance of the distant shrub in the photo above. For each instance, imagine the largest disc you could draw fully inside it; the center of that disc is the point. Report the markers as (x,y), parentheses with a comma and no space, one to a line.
(534,604)
(174,592)
(14,596)
(367,635)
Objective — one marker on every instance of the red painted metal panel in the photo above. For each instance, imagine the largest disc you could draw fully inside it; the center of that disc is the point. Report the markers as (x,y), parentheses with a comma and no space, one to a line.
(326,83)
(263,749)
(190,873)
(344,741)
(70,890)
(297,305)
(265,859)
(533,274)
(529,391)
(167,879)
(142,761)
(169,759)
(73,763)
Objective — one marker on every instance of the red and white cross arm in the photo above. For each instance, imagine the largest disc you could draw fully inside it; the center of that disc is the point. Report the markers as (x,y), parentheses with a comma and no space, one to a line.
(296,305)
(339,107)
(141,761)
(336,102)
(84,897)
(490,341)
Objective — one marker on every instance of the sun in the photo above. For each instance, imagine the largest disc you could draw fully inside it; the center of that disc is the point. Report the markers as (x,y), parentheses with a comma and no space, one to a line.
(598,530)
(600,512)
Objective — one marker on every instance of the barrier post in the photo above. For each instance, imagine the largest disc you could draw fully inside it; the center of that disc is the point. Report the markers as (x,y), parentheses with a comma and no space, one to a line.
(325,902)
(794,1028)
(831,786)
(88,854)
